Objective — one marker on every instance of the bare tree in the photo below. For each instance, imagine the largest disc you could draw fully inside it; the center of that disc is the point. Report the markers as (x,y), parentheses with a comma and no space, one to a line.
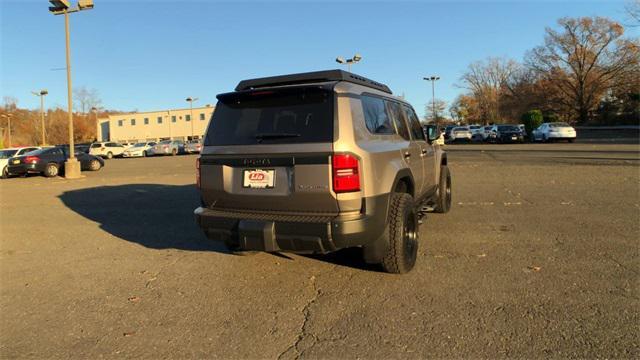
(581,61)
(487,80)
(440,107)
(10,103)
(632,8)
(86,99)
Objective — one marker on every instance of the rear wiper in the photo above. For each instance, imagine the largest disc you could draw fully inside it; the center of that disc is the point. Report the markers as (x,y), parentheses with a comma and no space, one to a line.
(262,136)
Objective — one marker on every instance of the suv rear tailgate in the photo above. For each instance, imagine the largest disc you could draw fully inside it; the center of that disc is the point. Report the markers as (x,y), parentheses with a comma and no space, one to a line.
(301,183)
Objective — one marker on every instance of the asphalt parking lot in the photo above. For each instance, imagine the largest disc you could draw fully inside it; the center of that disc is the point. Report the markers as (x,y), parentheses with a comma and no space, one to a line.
(538,258)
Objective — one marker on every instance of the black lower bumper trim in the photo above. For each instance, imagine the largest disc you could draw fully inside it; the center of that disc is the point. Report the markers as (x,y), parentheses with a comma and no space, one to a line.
(300,237)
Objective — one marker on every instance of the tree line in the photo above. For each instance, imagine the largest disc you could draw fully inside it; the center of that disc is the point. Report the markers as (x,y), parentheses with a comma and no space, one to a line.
(585,72)
(26,124)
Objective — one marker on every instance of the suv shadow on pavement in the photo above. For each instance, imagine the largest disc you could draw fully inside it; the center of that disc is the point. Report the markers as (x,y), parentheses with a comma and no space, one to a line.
(160,216)
(153,215)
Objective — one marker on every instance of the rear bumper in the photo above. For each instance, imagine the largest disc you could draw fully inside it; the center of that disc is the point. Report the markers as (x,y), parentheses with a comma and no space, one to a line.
(561,136)
(23,169)
(295,233)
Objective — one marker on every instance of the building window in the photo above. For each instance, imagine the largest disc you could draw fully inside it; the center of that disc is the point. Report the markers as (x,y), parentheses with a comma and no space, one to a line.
(133,122)
(187,118)
(120,122)
(201,116)
(173,118)
(159,119)
(146,121)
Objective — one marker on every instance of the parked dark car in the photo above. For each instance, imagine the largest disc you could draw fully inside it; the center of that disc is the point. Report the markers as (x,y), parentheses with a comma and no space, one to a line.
(50,162)
(507,134)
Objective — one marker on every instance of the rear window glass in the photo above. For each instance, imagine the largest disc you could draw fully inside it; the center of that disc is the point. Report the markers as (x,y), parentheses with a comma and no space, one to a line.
(375,115)
(398,119)
(5,154)
(287,116)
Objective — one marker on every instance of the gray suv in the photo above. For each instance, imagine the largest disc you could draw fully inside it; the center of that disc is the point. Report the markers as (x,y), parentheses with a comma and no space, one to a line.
(316,162)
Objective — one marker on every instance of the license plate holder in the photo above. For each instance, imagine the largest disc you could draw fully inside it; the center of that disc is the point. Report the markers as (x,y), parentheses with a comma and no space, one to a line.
(259,178)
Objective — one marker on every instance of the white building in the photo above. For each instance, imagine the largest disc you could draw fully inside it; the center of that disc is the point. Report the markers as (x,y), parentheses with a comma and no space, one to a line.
(182,124)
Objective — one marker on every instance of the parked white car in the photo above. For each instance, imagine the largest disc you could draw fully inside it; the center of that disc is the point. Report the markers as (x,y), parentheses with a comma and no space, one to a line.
(138,149)
(554,131)
(106,149)
(460,133)
(5,154)
(486,132)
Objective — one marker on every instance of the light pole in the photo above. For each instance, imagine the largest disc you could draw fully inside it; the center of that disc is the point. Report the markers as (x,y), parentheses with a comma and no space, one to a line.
(8,117)
(41,94)
(433,80)
(356,58)
(94,110)
(191,100)
(63,7)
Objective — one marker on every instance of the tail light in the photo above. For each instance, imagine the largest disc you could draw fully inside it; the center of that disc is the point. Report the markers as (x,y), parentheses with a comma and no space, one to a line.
(346,173)
(31,159)
(198,173)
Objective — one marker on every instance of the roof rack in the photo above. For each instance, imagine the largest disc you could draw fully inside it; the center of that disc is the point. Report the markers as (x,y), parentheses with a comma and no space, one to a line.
(316,76)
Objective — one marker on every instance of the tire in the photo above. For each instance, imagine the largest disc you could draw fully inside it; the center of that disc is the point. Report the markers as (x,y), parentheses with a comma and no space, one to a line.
(109,155)
(144,154)
(51,170)
(572,140)
(5,173)
(95,165)
(174,152)
(402,225)
(443,202)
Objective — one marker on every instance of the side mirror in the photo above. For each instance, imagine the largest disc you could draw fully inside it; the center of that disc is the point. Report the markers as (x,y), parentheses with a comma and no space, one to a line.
(432,133)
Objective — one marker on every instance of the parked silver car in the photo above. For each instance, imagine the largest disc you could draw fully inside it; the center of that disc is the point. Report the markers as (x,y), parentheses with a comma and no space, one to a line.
(167,147)
(193,147)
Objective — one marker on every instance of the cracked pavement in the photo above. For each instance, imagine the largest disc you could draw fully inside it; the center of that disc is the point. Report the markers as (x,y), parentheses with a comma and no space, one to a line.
(538,258)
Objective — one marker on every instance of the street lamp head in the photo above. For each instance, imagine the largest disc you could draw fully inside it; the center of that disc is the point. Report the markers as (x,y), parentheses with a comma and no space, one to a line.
(357,57)
(59,5)
(44,92)
(85,4)
(340,60)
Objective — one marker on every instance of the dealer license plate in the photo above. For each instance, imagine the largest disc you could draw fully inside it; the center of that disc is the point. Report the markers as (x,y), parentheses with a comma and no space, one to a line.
(259,178)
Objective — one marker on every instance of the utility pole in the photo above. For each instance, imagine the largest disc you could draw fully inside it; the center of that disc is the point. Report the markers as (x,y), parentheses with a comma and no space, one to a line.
(41,94)
(62,7)
(8,117)
(191,100)
(433,80)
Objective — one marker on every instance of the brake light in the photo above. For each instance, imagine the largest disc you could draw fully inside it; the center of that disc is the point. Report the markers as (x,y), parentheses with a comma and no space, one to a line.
(198,173)
(31,159)
(346,174)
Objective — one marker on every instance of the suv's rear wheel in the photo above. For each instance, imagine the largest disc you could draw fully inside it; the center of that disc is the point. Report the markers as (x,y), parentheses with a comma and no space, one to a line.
(443,202)
(403,235)
(109,155)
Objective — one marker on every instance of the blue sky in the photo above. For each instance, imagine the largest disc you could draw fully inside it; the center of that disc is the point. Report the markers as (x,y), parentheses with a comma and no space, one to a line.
(148,55)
